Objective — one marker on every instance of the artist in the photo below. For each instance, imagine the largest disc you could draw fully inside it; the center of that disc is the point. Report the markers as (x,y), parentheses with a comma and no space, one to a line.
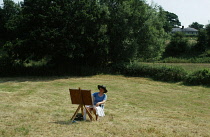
(99,98)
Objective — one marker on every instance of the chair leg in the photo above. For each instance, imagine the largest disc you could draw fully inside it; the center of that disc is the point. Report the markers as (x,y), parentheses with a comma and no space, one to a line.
(84,114)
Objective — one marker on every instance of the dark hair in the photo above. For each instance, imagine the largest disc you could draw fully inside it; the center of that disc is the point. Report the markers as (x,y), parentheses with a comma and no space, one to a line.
(103,87)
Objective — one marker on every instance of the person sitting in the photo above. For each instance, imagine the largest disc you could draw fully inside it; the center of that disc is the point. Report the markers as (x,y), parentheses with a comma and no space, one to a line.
(99,99)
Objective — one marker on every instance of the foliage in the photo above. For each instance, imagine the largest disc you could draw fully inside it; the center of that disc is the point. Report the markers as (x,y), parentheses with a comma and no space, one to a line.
(8,12)
(177,46)
(186,60)
(163,73)
(196,25)
(93,33)
(6,66)
(201,77)
(172,21)
(122,35)
(201,45)
(206,54)
(170,74)
(151,47)
(174,60)
(203,41)
(208,35)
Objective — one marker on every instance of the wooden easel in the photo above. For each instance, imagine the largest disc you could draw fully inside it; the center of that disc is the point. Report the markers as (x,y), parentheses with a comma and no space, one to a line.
(82,98)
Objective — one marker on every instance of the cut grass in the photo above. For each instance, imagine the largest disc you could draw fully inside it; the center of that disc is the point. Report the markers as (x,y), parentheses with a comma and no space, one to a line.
(135,107)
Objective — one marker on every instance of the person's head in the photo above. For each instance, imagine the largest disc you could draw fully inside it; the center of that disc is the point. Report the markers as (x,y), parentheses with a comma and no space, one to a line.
(102,88)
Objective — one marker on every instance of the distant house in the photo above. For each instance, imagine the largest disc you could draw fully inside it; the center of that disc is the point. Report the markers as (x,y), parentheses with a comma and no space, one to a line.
(187,31)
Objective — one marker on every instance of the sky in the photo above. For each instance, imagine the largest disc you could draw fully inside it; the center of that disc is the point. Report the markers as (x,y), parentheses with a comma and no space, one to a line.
(188,11)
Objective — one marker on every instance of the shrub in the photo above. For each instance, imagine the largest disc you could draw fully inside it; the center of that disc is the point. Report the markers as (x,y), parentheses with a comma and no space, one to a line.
(137,70)
(178,45)
(5,66)
(174,60)
(158,73)
(201,77)
(190,60)
(164,73)
(170,74)
(200,60)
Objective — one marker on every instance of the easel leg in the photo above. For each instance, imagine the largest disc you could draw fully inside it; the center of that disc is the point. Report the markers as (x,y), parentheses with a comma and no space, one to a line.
(89,114)
(94,111)
(73,117)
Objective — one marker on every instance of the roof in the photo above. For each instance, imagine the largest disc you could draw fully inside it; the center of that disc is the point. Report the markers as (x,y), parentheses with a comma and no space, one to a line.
(184,30)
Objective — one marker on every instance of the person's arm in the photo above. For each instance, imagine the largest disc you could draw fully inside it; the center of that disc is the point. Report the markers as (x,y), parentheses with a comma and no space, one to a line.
(102,102)
(99,103)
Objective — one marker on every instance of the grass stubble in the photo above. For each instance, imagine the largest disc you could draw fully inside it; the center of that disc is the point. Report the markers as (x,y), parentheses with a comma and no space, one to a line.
(135,107)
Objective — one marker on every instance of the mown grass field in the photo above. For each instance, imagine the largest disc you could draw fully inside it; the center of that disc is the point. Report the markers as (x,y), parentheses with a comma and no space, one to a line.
(37,107)
(190,67)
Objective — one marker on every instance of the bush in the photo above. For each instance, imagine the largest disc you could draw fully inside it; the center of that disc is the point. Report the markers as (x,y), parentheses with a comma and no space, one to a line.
(200,60)
(178,45)
(201,77)
(175,60)
(137,70)
(172,74)
(182,60)
(5,66)
(164,73)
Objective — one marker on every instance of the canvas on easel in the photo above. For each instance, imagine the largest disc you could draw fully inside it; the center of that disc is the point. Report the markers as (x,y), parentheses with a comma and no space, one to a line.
(81,97)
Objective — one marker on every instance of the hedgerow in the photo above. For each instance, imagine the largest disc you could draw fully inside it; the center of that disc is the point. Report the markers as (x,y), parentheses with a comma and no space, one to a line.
(201,77)
(164,73)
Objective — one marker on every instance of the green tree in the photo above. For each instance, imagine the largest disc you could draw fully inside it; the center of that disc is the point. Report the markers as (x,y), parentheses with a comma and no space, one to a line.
(61,31)
(86,32)
(208,35)
(8,13)
(133,31)
(2,28)
(151,38)
(178,45)
(196,25)
(202,41)
(10,8)
(172,21)
(122,40)
(90,23)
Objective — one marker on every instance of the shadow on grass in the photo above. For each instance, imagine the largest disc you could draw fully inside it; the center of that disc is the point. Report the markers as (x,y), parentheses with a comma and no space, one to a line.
(203,85)
(49,75)
(37,78)
(63,122)
(69,122)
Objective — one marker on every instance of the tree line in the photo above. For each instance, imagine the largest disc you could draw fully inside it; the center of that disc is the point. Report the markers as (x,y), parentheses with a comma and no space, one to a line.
(180,45)
(93,32)
(83,32)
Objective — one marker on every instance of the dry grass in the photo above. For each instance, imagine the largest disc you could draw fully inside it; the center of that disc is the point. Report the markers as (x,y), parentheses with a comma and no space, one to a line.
(135,107)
